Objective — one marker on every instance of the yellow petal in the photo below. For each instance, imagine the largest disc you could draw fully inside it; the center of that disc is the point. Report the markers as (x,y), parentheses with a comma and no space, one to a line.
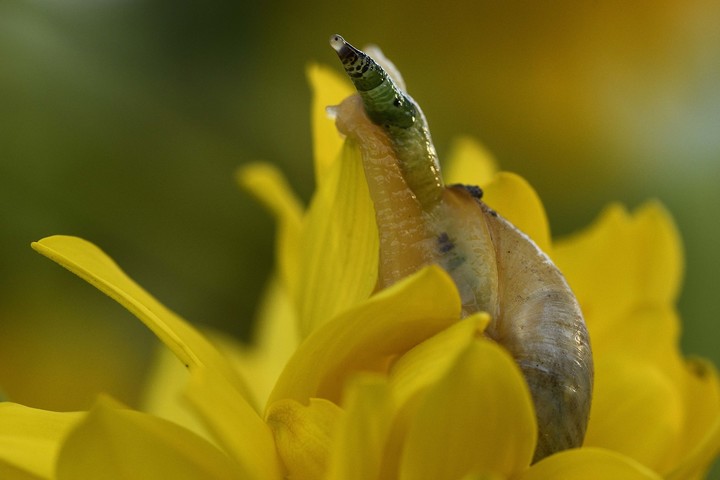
(92,265)
(477,419)
(366,337)
(328,88)
(420,368)
(588,464)
(696,464)
(112,443)
(598,264)
(699,445)
(621,262)
(513,198)
(9,471)
(30,440)
(275,339)
(236,426)
(649,334)
(338,266)
(162,394)
(482,476)
(268,185)
(364,429)
(427,362)
(660,254)
(469,163)
(636,411)
(303,435)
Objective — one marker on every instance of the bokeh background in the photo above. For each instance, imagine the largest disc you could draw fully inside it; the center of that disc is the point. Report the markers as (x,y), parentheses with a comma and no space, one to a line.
(122,121)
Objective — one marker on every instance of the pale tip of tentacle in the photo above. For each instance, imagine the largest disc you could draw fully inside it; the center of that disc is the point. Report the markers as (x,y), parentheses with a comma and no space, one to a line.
(337,42)
(331,111)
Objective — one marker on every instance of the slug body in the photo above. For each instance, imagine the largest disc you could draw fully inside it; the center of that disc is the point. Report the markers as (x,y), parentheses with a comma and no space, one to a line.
(496,268)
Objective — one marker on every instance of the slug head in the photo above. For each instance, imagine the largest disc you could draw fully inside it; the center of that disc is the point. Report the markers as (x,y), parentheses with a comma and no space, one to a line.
(384,102)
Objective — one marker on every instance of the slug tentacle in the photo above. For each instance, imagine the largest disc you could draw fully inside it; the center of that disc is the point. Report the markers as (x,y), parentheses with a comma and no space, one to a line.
(495,267)
(384,102)
(390,108)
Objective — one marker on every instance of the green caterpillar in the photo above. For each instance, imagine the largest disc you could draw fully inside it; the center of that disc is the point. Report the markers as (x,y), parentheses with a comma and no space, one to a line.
(496,268)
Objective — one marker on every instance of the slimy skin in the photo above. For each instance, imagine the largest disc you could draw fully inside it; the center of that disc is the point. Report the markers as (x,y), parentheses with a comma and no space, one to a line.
(497,268)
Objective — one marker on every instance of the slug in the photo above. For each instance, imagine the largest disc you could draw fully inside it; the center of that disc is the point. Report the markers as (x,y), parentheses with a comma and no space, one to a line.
(497,268)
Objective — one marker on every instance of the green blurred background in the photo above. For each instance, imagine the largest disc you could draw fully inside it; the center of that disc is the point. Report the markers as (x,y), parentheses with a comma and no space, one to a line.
(122,121)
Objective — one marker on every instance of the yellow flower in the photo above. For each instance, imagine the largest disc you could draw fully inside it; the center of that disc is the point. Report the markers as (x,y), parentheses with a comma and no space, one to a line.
(341,383)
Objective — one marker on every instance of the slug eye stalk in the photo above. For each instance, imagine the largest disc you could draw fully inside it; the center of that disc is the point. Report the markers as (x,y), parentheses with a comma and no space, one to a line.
(384,102)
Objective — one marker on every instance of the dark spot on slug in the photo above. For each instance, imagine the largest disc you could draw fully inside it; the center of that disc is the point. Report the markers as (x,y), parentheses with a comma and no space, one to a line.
(474,191)
(444,243)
